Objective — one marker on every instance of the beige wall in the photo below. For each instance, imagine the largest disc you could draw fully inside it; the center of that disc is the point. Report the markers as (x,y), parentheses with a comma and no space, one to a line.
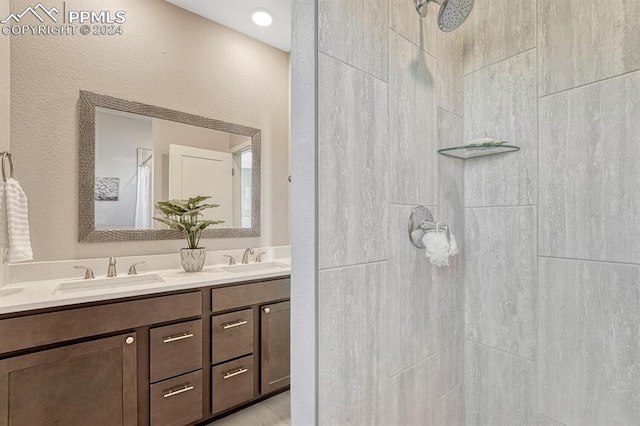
(5,81)
(167,57)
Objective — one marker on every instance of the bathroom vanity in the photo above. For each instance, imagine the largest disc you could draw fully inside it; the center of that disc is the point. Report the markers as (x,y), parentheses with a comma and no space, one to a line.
(169,358)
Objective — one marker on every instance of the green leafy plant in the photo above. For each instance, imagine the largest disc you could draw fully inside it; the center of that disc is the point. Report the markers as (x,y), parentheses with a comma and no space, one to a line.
(184,216)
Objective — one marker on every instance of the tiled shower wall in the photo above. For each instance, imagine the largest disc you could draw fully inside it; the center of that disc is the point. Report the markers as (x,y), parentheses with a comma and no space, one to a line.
(552,232)
(391,328)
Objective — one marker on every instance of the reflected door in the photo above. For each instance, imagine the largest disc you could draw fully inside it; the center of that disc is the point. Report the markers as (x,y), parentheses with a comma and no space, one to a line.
(195,171)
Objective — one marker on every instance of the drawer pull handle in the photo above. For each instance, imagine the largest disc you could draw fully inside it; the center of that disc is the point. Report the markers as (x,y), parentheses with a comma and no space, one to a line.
(177,337)
(239,371)
(234,324)
(177,391)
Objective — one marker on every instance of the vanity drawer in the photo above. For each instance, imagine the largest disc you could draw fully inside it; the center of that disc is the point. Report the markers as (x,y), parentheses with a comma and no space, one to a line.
(233,384)
(232,335)
(242,295)
(175,349)
(177,401)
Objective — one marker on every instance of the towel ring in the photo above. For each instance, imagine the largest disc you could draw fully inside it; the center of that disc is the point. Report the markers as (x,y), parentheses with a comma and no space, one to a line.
(4,173)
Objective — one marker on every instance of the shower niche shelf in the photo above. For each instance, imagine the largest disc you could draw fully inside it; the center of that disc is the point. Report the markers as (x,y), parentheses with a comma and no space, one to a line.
(468,152)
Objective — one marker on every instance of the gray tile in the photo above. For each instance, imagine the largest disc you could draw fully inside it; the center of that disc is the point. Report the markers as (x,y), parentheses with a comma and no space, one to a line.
(412,398)
(546,421)
(413,300)
(412,124)
(499,388)
(496,30)
(589,180)
(589,362)
(404,19)
(356,32)
(501,103)
(353,365)
(582,42)
(500,271)
(451,408)
(450,72)
(352,166)
(450,280)
(451,175)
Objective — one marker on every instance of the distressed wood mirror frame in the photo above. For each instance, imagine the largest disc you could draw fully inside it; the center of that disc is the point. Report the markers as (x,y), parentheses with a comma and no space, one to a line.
(87,130)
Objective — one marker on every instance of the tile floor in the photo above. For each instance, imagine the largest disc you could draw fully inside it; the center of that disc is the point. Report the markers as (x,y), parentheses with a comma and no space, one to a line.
(275,411)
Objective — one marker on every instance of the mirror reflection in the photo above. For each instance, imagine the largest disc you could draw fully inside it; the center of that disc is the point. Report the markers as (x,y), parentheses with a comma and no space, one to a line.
(140,160)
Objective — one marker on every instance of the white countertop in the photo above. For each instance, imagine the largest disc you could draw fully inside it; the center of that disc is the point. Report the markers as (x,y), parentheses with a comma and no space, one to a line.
(26,296)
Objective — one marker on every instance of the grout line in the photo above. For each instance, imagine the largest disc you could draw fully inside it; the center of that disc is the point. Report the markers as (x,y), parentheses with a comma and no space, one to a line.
(505,206)
(573,259)
(624,74)
(354,67)
(536,307)
(459,385)
(337,268)
(450,112)
(431,206)
(500,61)
(549,418)
(414,365)
(412,43)
(501,350)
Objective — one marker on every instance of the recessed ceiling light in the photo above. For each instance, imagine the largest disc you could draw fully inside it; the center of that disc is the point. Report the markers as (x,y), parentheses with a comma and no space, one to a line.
(262,17)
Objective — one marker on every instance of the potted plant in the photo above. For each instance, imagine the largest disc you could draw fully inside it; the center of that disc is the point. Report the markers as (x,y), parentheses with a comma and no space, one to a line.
(185,216)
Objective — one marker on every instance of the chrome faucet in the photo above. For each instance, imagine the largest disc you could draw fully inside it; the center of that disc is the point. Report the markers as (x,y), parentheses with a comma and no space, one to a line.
(111,272)
(245,256)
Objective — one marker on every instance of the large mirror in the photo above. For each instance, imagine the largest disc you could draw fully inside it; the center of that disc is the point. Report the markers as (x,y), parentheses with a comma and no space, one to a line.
(133,155)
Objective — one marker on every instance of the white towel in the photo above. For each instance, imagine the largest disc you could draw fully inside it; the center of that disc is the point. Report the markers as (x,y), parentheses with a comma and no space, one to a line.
(4,234)
(439,248)
(14,219)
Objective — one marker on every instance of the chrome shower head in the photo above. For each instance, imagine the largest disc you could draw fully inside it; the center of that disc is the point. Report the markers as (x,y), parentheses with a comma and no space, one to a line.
(452,12)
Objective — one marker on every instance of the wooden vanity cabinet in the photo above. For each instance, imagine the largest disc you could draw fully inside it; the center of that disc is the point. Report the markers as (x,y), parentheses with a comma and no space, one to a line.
(87,365)
(173,359)
(92,383)
(276,339)
(250,343)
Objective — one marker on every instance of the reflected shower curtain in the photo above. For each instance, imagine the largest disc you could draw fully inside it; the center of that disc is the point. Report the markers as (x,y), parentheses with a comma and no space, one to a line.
(143,198)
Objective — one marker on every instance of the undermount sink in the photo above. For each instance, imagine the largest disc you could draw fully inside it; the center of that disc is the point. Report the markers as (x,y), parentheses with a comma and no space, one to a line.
(106,283)
(255,267)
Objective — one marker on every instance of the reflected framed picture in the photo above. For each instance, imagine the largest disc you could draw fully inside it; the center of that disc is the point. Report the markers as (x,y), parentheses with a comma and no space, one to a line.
(107,188)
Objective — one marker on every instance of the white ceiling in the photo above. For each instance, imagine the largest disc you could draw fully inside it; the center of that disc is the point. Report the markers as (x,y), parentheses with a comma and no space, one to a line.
(236,14)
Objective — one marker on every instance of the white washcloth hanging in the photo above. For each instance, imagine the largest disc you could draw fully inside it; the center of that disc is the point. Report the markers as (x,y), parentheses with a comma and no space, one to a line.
(439,248)
(15,205)
(4,234)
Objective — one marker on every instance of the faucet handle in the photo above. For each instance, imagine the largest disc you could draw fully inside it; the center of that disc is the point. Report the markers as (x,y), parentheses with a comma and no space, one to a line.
(259,256)
(232,260)
(132,268)
(88,272)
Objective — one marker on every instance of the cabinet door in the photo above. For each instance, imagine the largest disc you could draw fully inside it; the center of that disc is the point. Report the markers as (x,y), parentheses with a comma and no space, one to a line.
(92,383)
(275,346)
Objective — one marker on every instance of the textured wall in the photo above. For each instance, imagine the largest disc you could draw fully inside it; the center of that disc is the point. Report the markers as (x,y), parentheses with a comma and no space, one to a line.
(5,97)
(5,81)
(390,326)
(167,57)
(552,288)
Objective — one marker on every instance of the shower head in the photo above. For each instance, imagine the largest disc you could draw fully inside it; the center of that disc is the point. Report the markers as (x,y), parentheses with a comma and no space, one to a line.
(452,12)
